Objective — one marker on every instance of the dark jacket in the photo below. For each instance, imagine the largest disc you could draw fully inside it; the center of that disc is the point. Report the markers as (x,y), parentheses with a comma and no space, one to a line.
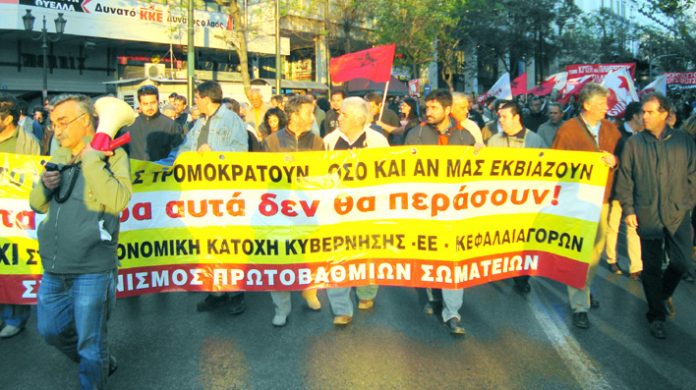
(330,122)
(80,235)
(152,138)
(285,141)
(533,120)
(657,180)
(427,134)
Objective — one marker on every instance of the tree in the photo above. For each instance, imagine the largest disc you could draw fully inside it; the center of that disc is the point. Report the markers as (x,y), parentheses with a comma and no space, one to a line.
(450,41)
(413,25)
(683,40)
(238,40)
(345,17)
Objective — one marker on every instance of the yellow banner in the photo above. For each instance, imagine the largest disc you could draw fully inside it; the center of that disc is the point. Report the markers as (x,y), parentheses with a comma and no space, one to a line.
(440,216)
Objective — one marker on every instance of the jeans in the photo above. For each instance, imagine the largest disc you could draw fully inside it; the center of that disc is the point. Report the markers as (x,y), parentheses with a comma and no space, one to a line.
(72,312)
(15,315)
(452,300)
(339,298)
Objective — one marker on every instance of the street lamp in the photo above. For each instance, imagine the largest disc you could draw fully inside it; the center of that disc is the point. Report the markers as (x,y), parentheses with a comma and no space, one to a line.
(650,63)
(43,36)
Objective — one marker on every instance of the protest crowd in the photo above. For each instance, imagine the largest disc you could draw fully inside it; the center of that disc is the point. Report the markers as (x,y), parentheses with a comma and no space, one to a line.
(649,150)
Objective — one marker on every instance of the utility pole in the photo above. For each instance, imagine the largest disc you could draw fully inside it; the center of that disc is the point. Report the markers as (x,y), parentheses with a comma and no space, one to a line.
(190,55)
(278,71)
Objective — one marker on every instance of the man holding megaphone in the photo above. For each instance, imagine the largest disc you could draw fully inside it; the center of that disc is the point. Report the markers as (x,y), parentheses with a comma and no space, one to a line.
(83,191)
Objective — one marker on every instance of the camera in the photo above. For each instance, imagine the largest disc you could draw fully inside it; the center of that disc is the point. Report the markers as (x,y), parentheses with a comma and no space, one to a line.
(49,167)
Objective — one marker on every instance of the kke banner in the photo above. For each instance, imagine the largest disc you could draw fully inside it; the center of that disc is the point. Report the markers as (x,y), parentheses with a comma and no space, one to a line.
(432,216)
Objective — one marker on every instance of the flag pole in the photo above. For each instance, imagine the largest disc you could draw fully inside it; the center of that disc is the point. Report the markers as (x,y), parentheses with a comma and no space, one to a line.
(384,99)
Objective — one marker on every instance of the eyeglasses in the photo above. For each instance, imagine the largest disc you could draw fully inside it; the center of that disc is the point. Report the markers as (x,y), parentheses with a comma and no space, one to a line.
(63,124)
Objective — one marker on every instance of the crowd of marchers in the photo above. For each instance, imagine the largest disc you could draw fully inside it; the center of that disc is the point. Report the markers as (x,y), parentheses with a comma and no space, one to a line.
(651,189)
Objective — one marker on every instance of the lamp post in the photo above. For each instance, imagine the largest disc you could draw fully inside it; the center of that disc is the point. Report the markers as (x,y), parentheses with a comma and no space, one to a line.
(28,19)
(650,63)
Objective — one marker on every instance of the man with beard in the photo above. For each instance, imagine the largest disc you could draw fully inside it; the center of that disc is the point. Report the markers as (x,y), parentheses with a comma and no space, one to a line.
(153,135)
(441,129)
(16,140)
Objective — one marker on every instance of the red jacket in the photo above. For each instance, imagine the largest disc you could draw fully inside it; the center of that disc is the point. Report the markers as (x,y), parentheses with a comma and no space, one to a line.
(573,135)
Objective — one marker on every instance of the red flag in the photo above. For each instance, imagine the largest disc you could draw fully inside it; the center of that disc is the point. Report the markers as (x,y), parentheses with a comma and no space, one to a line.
(555,81)
(518,86)
(374,64)
(573,88)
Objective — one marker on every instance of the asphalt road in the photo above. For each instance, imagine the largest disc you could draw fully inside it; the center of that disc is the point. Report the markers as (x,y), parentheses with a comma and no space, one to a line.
(512,342)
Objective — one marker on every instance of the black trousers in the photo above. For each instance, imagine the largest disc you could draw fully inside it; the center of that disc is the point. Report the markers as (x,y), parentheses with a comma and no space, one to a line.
(693,225)
(659,285)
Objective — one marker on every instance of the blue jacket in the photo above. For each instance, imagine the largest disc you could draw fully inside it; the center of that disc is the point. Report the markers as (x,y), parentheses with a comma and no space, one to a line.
(227,133)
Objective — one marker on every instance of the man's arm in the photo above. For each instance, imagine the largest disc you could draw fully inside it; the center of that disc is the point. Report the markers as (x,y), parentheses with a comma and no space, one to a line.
(233,136)
(40,195)
(109,180)
(691,172)
(625,185)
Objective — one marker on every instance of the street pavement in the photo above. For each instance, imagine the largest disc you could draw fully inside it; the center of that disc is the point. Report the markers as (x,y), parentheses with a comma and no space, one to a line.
(512,342)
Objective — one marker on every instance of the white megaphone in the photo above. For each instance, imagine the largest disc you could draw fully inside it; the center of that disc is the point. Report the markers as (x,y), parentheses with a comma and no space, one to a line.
(113,114)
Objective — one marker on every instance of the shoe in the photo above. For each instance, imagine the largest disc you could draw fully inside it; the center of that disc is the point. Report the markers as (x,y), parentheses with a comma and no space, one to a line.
(113,365)
(580,320)
(212,302)
(657,329)
(454,328)
(428,309)
(312,301)
(279,320)
(366,304)
(10,330)
(635,275)
(669,307)
(237,304)
(593,302)
(688,277)
(615,269)
(342,320)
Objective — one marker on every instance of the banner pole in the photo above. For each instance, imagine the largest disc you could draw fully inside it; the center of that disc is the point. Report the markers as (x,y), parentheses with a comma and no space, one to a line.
(384,99)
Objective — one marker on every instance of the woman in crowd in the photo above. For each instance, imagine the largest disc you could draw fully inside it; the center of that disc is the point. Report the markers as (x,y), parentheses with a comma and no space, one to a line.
(409,114)
(273,120)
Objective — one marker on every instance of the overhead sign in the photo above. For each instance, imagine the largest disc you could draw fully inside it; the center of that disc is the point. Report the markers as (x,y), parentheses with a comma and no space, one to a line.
(681,80)
(598,71)
(134,21)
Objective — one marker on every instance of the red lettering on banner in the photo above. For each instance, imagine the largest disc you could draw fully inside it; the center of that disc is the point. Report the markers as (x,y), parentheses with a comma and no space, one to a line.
(151,15)
(205,207)
(270,207)
(24,219)
(141,211)
(22,289)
